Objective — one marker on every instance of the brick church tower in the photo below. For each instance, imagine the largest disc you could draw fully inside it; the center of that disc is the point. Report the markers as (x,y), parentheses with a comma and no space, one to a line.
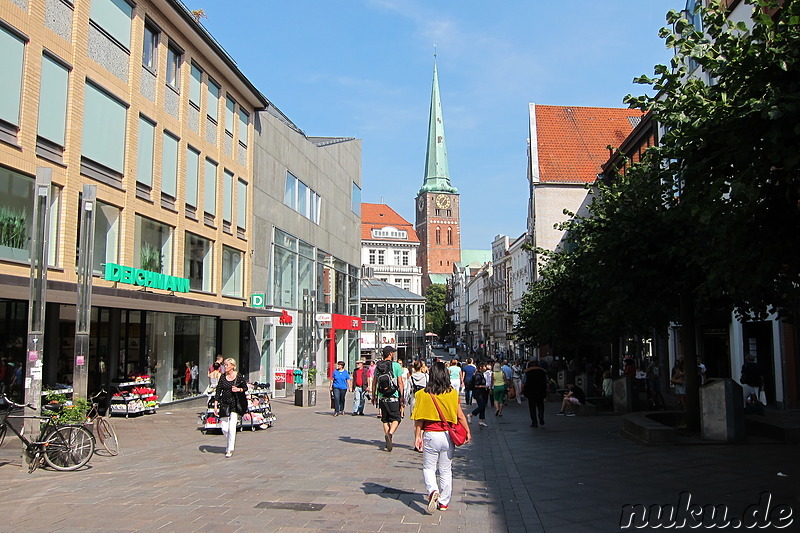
(437,204)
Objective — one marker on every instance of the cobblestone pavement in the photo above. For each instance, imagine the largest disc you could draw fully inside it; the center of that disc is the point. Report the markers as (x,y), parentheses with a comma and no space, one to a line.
(314,472)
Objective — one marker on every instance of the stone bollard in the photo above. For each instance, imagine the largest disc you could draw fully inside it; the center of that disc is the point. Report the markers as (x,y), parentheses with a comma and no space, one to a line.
(722,411)
(623,394)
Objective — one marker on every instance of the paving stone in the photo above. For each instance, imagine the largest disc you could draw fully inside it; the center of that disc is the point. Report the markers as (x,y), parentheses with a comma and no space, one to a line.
(573,477)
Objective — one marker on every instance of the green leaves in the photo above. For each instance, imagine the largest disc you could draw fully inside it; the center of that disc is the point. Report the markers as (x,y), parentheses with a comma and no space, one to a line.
(712,212)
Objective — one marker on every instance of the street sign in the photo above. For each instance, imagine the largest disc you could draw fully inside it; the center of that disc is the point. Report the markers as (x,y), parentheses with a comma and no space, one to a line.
(257,299)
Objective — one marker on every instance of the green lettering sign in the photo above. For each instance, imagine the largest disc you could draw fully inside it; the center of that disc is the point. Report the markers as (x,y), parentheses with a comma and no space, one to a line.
(145,278)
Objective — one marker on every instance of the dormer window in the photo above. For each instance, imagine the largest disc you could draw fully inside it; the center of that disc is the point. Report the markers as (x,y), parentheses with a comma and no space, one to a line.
(389,232)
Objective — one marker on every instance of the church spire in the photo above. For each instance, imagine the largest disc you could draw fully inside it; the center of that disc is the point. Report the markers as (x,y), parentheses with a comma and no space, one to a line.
(437,176)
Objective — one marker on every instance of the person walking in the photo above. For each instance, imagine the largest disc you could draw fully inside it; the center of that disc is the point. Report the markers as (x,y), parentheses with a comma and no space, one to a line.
(677,380)
(535,390)
(360,384)
(387,393)
(417,381)
(230,402)
(213,378)
(467,374)
(340,384)
(480,390)
(516,380)
(455,375)
(431,435)
(498,386)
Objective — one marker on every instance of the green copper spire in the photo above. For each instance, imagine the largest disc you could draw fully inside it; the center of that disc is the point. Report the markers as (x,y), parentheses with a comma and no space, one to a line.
(437,176)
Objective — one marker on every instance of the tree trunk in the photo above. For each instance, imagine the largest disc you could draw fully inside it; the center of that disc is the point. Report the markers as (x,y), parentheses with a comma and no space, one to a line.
(689,349)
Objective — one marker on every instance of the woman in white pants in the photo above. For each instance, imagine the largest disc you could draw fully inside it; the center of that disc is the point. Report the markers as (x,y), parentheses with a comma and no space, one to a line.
(430,434)
(230,402)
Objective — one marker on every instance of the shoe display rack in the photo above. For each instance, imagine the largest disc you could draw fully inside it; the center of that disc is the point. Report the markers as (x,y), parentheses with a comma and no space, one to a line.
(258,416)
(134,397)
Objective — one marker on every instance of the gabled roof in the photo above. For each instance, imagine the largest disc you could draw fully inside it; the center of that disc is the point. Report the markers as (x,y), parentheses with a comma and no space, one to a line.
(572,142)
(378,216)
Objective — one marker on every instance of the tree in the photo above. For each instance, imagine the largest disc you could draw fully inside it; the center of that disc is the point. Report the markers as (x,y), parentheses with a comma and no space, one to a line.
(710,217)
(732,148)
(436,318)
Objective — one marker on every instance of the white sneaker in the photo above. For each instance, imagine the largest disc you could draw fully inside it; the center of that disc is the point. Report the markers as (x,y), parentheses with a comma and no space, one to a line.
(433,499)
(482,424)
(469,418)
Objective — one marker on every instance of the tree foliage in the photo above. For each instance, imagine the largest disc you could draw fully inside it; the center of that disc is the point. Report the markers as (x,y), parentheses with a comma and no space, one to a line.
(709,218)
(436,318)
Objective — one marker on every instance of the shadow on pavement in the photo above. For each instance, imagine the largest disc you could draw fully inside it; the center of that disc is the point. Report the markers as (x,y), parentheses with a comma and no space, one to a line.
(205,448)
(414,500)
(364,442)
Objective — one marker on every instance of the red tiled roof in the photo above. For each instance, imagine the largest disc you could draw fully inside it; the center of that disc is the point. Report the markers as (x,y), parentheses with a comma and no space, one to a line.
(378,216)
(573,141)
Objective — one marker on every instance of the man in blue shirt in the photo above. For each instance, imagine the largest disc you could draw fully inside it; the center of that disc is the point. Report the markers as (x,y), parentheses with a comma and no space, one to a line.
(467,373)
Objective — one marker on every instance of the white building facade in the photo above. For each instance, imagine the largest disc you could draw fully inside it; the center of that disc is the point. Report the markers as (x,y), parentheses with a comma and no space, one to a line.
(389,248)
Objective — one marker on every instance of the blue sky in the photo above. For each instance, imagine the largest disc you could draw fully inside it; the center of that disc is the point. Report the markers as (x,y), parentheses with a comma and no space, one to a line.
(363,68)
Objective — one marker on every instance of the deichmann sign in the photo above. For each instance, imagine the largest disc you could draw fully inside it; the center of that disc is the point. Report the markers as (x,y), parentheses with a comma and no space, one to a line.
(145,278)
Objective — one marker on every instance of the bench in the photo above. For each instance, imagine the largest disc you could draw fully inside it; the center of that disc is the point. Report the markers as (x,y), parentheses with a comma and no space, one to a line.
(644,429)
(602,403)
(772,428)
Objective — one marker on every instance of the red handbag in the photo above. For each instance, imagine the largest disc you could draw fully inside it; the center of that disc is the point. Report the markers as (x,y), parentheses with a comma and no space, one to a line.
(458,435)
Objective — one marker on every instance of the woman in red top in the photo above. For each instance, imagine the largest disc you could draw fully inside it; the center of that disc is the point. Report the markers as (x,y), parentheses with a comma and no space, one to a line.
(431,434)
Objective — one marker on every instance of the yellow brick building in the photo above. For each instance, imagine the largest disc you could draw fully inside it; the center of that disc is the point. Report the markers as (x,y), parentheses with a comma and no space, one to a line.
(141,102)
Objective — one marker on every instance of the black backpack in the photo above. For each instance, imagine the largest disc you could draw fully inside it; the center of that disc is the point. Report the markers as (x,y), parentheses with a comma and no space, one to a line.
(386,384)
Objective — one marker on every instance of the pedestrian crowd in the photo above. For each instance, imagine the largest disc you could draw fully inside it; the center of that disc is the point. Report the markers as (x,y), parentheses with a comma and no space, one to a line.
(430,395)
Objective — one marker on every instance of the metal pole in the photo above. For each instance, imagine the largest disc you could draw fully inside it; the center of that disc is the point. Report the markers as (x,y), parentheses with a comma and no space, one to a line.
(83,317)
(306,348)
(38,297)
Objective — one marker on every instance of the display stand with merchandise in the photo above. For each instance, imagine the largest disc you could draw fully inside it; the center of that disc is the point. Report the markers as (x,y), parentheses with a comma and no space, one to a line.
(137,396)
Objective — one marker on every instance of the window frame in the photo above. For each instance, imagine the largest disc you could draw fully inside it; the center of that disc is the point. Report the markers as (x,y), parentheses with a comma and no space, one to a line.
(210,96)
(195,82)
(153,41)
(47,145)
(174,64)
(107,26)
(91,166)
(237,274)
(10,128)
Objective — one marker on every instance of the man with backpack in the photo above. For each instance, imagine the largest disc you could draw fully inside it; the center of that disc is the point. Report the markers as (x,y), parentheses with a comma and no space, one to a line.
(387,393)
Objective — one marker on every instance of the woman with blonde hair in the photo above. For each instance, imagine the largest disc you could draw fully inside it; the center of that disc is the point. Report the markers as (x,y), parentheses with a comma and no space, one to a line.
(499,384)
(455,375)
(230,402)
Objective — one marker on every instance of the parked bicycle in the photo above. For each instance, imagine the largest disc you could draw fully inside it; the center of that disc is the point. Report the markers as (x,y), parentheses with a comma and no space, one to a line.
(101,427)
(61,447)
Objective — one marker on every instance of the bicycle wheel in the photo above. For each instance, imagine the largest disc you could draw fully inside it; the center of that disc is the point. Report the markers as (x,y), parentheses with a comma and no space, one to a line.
(68,448)
(108,437)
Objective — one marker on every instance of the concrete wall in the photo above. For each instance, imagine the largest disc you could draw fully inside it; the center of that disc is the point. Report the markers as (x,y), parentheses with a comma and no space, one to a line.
(329,170)
(550,201)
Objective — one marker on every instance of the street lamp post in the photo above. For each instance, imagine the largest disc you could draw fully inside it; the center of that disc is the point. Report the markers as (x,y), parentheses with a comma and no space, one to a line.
(38,296)
(83,318)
